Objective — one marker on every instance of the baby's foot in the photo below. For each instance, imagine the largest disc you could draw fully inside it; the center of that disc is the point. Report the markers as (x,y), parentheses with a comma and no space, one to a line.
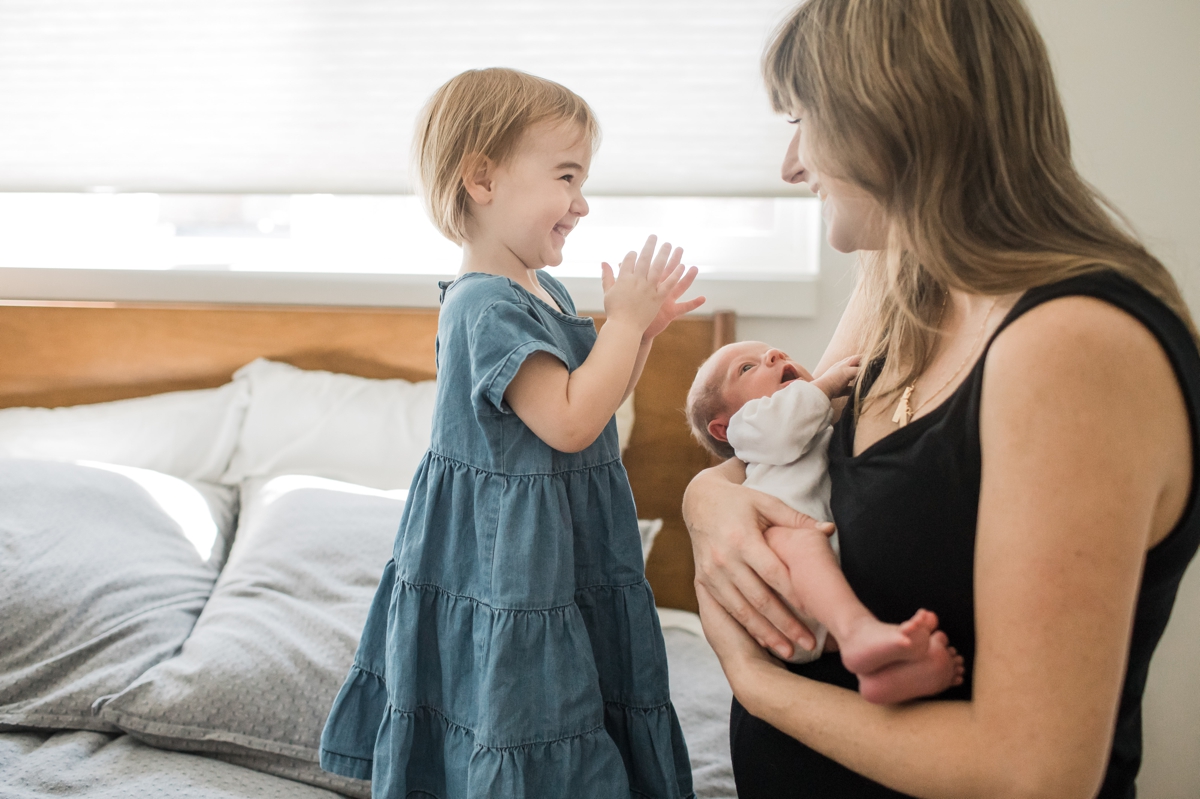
(941,668)
(873,645)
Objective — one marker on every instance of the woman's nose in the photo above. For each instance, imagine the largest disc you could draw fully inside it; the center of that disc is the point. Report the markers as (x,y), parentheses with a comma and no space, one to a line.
(793,170)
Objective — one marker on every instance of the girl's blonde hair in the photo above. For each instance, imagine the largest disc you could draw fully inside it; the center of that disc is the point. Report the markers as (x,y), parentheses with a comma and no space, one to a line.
(481,113)
(946,111)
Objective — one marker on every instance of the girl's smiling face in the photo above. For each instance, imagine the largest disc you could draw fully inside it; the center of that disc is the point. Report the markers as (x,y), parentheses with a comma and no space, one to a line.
(537,193)
(854,220)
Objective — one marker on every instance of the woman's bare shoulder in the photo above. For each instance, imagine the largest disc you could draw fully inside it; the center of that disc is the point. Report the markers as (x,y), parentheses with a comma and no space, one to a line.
(1080,375)
(1077,338)
(1097,336)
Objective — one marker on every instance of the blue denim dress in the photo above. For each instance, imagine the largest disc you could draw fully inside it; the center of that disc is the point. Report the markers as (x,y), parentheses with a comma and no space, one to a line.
(512,648)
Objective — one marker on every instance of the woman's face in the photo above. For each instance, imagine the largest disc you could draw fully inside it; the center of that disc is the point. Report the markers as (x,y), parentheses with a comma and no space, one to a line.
(854,220)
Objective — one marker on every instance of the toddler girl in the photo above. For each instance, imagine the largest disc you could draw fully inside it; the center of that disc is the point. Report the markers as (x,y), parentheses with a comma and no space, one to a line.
(513,648)
(751,401)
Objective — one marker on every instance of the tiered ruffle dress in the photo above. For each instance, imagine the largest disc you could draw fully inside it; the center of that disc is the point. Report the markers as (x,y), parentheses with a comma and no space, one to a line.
(512,648)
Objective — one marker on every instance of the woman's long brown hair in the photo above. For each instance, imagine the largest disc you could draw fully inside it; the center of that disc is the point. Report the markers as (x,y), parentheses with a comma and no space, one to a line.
(946,111)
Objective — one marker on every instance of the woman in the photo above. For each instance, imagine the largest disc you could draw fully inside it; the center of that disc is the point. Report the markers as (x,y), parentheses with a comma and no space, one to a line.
(1018,458)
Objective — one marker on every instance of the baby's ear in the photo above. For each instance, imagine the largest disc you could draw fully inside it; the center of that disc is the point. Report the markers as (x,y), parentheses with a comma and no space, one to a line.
(717,429)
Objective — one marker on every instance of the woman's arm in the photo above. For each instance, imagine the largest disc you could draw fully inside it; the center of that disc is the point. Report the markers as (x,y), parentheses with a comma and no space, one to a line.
(845,341)
(733,562)
(1086,464)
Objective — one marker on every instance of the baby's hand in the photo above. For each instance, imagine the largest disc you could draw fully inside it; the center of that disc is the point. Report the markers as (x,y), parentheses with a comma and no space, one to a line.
(838,380)
(646,281)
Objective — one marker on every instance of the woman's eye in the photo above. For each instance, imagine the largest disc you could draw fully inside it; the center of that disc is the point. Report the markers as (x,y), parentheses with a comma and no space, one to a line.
(795,121)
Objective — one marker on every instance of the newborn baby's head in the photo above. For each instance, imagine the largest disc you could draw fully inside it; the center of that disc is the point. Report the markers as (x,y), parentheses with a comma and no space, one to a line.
(731,377)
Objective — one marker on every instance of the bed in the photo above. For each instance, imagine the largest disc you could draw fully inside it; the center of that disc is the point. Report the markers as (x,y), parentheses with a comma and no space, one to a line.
(195,655)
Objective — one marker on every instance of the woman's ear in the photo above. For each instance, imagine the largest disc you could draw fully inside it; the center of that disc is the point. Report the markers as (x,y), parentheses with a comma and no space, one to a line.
(478,177)
(717,428)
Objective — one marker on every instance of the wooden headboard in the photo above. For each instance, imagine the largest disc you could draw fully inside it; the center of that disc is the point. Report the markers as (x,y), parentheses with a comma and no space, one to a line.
(54,354)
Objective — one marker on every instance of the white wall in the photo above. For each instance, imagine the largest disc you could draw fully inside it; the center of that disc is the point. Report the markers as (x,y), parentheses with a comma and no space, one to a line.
(1129,74)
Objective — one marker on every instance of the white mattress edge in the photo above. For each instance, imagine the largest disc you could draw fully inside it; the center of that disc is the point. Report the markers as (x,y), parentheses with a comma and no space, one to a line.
(674,619)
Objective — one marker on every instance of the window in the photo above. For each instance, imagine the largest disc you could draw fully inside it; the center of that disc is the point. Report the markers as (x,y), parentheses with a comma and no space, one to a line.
(271,138)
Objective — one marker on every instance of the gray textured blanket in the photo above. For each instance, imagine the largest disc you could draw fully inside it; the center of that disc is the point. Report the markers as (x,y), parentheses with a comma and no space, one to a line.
(93,765)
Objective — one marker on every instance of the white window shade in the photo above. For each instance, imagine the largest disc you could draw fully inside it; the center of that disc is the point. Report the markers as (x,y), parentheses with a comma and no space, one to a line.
(301,96)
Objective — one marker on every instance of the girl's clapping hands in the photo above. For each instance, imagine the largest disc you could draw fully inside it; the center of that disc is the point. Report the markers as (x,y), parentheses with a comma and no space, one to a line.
(646,291)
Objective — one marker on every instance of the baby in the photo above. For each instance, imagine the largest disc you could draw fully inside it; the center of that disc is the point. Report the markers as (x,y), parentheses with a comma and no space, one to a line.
(752,402)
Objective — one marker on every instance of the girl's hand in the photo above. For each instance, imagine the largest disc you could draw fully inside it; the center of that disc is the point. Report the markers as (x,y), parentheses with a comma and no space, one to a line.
(672,309)
(735,566)
(646,281)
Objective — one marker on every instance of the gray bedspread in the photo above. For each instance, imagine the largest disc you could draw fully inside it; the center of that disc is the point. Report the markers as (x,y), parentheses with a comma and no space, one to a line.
(100,765)
(702,698)
(94,765)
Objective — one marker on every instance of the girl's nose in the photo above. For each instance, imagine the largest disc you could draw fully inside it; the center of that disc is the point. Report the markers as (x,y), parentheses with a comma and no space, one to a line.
(579,206)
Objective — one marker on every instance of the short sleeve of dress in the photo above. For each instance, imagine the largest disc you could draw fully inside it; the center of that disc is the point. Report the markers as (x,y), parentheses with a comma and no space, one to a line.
(504,335)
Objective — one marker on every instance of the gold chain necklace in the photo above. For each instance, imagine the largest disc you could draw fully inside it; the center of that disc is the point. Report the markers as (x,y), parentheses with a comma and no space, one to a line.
(905,411)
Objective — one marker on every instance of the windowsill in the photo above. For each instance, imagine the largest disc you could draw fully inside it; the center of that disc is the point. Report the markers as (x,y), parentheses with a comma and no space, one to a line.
(748,295)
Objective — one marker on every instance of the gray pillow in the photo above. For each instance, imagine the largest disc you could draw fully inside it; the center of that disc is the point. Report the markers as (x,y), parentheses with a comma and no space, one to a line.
(256,678)
(98,583)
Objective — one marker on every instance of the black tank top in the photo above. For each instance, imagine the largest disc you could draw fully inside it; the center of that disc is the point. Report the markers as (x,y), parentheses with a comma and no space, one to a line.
(906,511)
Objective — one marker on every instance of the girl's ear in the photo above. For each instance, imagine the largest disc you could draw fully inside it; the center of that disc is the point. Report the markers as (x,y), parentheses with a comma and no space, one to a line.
(478,177)
(717,428)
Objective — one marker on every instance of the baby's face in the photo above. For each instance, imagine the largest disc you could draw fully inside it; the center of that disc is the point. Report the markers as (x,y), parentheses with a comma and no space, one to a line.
(750,370)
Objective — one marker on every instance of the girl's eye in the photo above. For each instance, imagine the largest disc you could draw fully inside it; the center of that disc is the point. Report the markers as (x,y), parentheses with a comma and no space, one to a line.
(567,178)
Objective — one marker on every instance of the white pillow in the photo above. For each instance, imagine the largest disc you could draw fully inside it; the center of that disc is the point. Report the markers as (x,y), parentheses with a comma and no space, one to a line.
(369,432)
(649,528)
(625,422)
(188,434)
(355,429)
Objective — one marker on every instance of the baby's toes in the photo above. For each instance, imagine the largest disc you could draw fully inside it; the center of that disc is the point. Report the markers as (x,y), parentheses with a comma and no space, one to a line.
(922,621)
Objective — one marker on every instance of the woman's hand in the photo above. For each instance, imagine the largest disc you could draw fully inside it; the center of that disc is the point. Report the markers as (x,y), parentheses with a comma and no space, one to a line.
(734,565)
(738,652)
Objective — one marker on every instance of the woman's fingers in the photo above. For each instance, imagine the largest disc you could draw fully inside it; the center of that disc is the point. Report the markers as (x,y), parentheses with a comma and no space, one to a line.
(727,638)
(768,569)
(606,276)
(748,600)
(778,513)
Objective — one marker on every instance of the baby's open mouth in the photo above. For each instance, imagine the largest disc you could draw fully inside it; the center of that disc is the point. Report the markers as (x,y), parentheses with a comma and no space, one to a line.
(789,374)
